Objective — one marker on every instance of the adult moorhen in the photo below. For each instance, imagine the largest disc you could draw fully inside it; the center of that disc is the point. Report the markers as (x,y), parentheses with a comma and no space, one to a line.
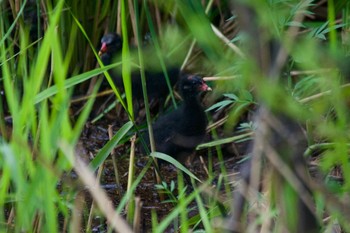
(111,46)
(178,133)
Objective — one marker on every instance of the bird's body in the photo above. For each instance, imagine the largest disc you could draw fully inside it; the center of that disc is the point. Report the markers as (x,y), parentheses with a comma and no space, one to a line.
(156,83)
(179,132)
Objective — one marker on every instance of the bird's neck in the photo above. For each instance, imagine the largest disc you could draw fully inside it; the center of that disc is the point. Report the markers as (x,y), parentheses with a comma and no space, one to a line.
(106,59)
(192,103)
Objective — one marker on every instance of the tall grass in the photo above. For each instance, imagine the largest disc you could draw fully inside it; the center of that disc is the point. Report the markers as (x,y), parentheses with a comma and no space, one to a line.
(47,58)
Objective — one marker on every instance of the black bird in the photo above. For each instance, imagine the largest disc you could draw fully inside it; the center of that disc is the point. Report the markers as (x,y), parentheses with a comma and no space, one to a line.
(111,46)
(178,133)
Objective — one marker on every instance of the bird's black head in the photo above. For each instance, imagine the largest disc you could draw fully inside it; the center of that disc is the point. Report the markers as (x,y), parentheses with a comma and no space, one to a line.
(192,85)
(111,43)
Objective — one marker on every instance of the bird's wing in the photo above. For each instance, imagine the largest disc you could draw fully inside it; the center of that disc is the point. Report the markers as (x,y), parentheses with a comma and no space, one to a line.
(186,141)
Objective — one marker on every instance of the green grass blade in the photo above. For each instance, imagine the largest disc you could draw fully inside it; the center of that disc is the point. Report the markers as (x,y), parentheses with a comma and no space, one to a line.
(73,81)
(173,161)
(126,67)
(158,50)
(246,136)
(104,152)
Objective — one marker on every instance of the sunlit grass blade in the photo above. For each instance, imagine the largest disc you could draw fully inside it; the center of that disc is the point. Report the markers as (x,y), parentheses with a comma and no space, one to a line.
(71,82)
(173,161)
(106,150)
(245,137)
(109,79)
(133,187)
(79,125)
(162,226)
(126,66)
(15,21)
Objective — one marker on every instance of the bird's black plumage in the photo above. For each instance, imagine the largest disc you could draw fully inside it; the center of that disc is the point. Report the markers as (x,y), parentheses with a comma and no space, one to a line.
(111,46)
(179,132)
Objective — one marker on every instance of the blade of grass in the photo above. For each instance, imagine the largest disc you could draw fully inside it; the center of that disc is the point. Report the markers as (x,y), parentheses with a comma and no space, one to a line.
(73,81)
(106,150)
(331,19)
(99,195)
(173,161)
(158,50)
(219,142)
(162,226)
(13,25)
(109,79)
(126,68)
(184,228)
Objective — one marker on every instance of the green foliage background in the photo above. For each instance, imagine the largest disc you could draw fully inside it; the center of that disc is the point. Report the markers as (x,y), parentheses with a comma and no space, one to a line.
(47,55)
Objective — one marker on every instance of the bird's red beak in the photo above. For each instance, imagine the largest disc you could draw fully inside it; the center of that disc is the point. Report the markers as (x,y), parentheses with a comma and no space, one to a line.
(205,87)
(103,49)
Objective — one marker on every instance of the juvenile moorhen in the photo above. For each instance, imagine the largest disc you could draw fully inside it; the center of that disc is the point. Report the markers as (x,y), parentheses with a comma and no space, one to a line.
(111,46)
(179,132)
